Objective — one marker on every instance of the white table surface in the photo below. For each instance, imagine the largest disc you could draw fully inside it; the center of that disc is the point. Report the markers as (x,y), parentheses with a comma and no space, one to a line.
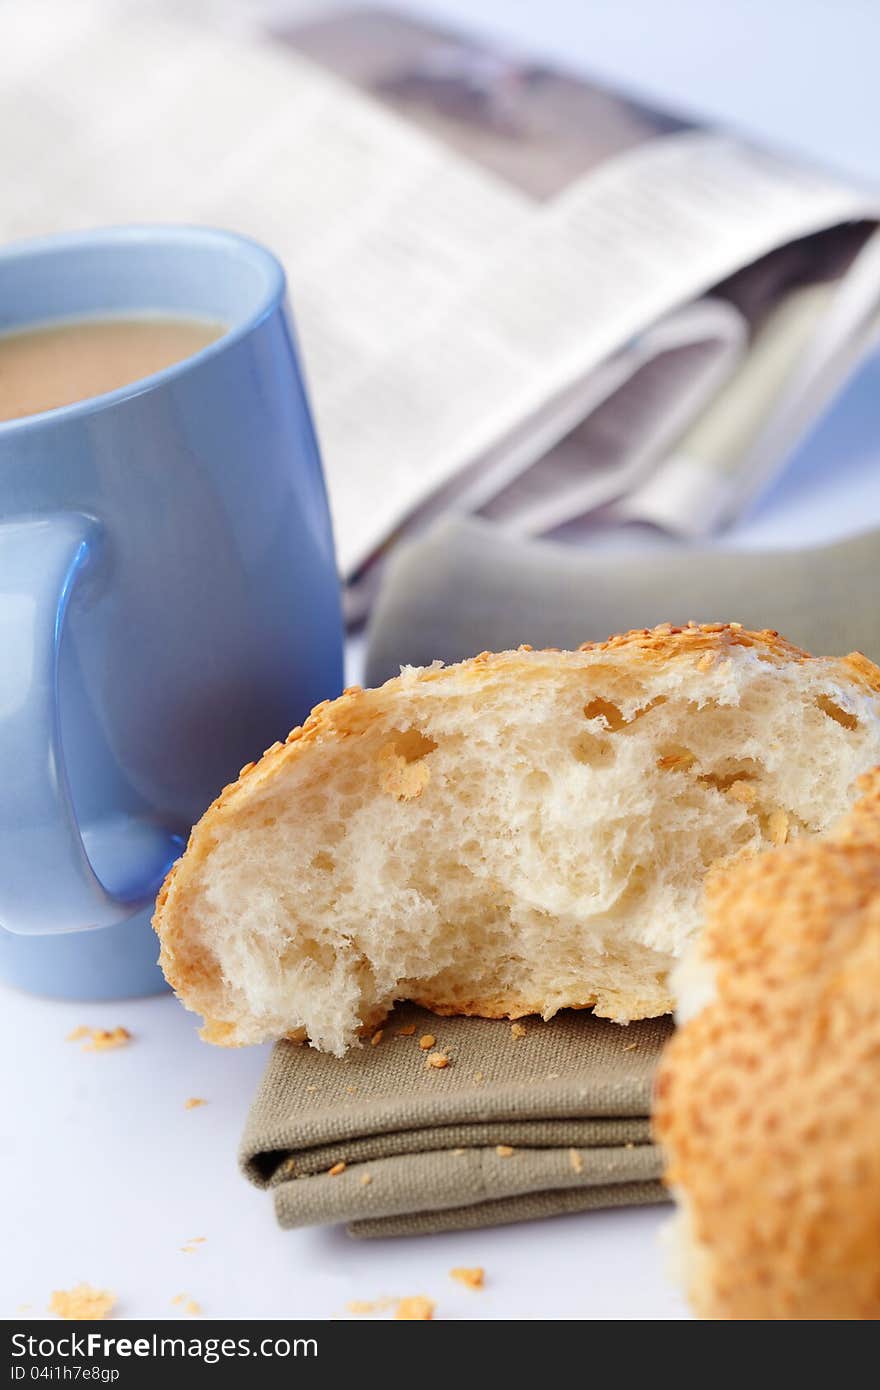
(104,1174)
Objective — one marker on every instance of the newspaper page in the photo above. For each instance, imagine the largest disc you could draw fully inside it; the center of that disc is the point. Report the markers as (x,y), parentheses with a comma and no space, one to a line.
(470,239)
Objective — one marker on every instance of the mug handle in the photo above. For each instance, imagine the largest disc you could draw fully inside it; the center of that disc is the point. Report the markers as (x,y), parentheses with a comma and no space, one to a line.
(47,883)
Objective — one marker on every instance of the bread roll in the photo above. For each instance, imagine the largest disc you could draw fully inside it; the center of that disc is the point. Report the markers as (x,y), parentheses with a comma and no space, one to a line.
(517,834)
(766,1100)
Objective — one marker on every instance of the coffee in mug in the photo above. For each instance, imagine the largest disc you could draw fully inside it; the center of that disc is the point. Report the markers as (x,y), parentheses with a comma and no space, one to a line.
(56,364)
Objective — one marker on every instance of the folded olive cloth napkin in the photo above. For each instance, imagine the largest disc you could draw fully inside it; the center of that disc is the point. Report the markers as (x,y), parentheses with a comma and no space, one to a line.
(467,587)
(524,1121)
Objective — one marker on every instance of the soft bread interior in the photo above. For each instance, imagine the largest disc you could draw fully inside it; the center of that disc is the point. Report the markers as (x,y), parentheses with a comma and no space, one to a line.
(519,838)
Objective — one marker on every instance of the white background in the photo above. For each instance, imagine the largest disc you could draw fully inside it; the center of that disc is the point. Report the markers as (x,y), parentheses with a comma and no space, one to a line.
(104,1174)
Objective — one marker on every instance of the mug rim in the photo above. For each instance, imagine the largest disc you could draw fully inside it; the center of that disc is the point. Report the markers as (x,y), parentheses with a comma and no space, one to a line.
(156,233)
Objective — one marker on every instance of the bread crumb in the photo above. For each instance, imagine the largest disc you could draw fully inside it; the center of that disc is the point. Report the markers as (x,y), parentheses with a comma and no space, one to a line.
(337,1168)
(777,825)
(438,1059)
(517,1030)
(366,1179)
(471,1278)
(352,1090)
(186,1303)
(311,1088)
(457,1153)
(407,1031)
(427,1041)
(629,1047)
(82,1303)
(362,1307)
(104,1039)
(194,1102)
(377,1037)
(189,1304)
(478,1077)
(99,1039)
(192,1244)
(576,1161)
(415,1309)
(503,1150)
(706,661)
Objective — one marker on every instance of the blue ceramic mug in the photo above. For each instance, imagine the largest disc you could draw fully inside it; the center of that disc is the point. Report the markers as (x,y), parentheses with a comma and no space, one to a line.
(168,595)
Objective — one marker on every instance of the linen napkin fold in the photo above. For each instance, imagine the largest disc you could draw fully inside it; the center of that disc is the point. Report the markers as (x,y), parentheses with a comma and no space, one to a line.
(518,1124)
(467,587)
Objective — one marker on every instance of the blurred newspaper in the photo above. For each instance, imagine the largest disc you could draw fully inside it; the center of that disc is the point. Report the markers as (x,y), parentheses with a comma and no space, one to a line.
(518,293)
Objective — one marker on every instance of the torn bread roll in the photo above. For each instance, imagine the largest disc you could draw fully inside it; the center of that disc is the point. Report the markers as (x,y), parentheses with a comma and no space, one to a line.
(766,1098)
(517,834)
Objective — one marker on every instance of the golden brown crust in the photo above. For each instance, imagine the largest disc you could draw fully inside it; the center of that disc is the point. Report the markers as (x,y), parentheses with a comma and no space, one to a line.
(766,1101)
(666,642)
(619,1007)
(189,968)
